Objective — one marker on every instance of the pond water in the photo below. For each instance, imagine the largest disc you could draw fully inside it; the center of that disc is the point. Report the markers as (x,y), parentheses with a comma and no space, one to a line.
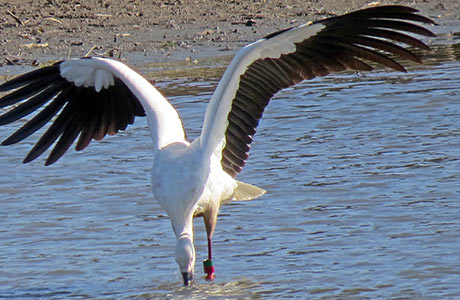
(363,202)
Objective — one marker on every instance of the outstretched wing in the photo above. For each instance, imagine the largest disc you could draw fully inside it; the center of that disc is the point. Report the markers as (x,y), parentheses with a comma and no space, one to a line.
(287,57)
(89,102)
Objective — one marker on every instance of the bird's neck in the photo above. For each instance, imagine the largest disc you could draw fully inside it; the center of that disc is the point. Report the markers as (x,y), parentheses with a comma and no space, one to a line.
(183,228)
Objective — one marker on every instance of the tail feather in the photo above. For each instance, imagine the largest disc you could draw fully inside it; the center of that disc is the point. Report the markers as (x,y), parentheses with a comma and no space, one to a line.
(246,191)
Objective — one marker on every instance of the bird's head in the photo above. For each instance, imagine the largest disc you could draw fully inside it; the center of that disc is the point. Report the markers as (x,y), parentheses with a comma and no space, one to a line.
(185,258)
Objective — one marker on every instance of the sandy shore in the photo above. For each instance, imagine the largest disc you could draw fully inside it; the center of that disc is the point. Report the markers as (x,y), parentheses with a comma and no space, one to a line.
(34,32)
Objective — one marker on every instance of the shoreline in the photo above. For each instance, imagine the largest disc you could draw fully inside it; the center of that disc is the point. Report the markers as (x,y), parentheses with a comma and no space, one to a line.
(164,31)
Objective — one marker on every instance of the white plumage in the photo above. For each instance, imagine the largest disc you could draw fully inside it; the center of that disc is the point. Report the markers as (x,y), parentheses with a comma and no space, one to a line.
(92,97)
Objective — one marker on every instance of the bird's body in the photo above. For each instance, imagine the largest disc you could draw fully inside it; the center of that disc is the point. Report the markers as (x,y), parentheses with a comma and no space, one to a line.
(95,96)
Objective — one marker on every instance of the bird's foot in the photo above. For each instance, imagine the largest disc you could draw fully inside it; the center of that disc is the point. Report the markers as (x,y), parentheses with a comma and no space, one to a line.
(209,269)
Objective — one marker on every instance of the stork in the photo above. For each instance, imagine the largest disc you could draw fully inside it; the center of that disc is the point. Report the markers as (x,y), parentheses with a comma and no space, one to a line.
(91,97)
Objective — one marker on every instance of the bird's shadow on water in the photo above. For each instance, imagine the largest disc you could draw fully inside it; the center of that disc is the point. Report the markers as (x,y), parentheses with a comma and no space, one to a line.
(238,288)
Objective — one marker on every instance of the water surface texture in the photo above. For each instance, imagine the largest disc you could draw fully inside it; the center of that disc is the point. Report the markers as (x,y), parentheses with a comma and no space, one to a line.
(363,180)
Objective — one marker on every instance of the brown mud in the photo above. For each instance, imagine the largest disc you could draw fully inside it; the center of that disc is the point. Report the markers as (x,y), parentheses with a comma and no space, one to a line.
(139,32)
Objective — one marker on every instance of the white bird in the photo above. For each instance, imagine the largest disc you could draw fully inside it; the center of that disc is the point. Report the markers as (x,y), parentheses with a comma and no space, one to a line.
(92,97)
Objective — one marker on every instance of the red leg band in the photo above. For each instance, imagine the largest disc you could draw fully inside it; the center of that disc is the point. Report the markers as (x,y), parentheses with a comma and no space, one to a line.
(208,269)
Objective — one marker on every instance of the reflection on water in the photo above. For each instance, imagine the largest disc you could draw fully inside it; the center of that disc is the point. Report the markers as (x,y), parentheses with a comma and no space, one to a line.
(362,174)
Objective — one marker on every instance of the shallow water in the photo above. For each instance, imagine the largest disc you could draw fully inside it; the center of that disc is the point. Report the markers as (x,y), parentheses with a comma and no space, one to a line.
(362,173)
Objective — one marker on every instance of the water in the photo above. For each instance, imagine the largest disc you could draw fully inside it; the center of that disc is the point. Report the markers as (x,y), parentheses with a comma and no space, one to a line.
(363,202)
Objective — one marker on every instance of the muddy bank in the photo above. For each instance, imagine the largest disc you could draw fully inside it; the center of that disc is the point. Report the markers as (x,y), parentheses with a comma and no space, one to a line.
(34,32)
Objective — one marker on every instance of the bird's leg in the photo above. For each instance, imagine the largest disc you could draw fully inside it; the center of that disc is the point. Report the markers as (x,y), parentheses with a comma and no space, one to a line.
(210,219)
(208,264)
(209,248)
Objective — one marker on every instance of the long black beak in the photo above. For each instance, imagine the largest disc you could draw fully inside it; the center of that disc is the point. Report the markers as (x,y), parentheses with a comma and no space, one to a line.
(188,278)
